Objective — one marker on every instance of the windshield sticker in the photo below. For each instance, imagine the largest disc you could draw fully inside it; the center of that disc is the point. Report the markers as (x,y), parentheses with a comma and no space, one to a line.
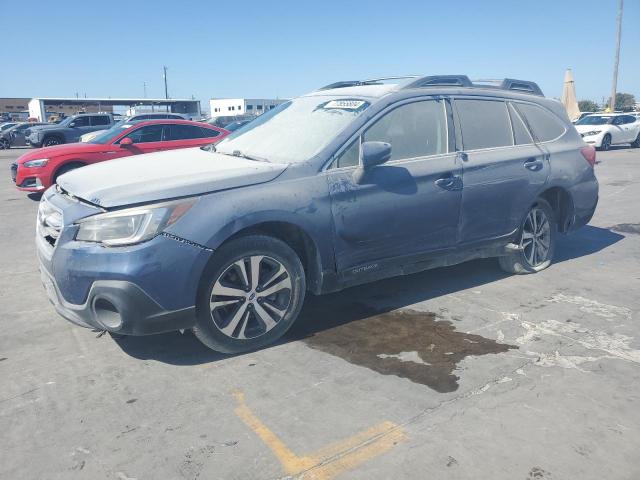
(344,104)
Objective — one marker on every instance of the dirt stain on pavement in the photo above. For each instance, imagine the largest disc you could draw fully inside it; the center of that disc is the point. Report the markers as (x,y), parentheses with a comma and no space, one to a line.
(409,344)
(627,228)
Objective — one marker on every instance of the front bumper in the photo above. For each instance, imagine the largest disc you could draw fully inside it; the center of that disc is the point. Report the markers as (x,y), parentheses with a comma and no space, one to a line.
(26,180)
(140,289)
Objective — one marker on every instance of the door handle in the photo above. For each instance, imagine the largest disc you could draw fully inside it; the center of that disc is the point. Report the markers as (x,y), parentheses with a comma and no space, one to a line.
(533,164)
(451,182)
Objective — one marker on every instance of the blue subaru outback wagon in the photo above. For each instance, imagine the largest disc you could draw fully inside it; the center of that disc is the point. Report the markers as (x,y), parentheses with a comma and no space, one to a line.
(354,182)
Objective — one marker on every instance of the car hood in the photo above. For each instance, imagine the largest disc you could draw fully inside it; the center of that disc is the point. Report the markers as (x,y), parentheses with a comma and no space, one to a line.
(164,175)
(45,127)
(591,128)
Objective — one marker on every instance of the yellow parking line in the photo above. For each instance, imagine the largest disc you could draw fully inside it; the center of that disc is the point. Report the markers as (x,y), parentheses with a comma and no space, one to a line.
(330,461)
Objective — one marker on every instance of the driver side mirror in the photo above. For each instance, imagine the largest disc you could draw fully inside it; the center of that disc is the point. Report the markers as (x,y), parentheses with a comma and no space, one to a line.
(371,155)
(375,153)
(126,142)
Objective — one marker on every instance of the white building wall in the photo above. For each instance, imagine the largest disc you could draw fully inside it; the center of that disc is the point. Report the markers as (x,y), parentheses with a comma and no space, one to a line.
(221,107)
(36,109)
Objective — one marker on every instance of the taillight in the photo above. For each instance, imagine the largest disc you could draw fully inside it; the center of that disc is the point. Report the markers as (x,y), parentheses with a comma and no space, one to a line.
(589,154)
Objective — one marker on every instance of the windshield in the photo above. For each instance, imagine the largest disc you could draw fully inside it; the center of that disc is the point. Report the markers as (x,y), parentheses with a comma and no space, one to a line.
(595,120)
(110,134)
(294,131)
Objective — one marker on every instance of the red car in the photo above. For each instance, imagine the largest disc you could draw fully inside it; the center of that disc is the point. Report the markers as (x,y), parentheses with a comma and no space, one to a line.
(37,170)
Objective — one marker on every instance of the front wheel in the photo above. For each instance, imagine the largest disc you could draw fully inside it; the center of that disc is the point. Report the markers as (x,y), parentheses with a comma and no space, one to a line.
(606,143)
(250,294)
(51,141)
(4,144)
(636,142)
(537,241)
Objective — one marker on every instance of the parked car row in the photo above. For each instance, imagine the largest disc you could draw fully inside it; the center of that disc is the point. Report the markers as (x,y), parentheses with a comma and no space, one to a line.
(15,134)
(352,183)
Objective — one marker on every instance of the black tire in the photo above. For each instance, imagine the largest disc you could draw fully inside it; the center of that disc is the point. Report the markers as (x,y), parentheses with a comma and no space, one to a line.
(520,262)
(4,144)
(636,142)
(66,168)
(52,140)
(606,143)
(224,267)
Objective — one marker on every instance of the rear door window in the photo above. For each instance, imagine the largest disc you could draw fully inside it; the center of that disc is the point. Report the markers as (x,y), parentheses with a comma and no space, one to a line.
(484,124)
(414,130)
(184,132)
(544,124)
(100,120)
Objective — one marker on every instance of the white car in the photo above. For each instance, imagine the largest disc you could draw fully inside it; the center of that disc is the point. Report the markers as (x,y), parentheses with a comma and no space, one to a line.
(605,129)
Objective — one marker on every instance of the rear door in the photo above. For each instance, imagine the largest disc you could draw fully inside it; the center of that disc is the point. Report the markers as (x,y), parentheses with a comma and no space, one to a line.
(630,128)
(182,135)
(408,206)
(503,168)
(100,122)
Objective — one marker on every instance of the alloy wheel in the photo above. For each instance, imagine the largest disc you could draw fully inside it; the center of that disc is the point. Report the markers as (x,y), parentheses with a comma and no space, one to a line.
(250,297)
(536,237)
(51,142)
(606,142)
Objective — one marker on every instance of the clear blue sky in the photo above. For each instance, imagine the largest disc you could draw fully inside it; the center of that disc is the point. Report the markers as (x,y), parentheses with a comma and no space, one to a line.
(286,48)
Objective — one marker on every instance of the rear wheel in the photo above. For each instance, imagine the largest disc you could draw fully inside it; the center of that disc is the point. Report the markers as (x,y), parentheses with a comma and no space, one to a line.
(537,241)
(606,143)
(250,295)
(51,141)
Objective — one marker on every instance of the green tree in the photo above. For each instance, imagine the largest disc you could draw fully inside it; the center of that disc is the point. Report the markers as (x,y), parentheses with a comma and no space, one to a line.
(624,101)
(587,106)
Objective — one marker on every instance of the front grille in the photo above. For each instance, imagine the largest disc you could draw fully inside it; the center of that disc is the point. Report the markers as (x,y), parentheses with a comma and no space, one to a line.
(14,172)
(49,222)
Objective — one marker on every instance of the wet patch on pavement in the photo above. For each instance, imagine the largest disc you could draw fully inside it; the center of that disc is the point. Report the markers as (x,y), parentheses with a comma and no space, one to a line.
(627,228)
(409,344)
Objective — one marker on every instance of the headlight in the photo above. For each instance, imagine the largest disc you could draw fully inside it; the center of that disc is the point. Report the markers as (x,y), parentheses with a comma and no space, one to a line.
(40,162)
(591,133)
(133,225)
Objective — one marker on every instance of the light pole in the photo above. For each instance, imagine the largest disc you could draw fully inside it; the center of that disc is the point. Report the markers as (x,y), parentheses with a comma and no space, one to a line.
(166,90)
(617,59)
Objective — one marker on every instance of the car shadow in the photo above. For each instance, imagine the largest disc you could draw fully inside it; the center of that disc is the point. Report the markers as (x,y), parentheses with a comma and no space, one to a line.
(321,313)
(35,196)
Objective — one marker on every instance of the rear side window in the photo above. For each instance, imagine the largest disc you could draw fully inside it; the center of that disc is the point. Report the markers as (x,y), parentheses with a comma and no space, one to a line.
(521,134)
(184,132)
(545,126)
(100,120)
(414,130)
(209,133)
(484,124)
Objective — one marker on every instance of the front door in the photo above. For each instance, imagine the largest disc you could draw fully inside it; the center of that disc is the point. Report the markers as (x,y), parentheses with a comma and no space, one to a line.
(408,206)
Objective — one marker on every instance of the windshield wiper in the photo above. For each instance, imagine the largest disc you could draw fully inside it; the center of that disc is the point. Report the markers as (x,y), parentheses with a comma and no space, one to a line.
(238,153)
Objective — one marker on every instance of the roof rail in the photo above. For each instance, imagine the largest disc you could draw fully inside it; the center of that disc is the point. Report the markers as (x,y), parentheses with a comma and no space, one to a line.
(357,83)
(521,86)
(524,86)
(441,80)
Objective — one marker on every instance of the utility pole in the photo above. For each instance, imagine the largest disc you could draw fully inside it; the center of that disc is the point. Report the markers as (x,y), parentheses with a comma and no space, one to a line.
(617,59)
(166,91)
(144,86)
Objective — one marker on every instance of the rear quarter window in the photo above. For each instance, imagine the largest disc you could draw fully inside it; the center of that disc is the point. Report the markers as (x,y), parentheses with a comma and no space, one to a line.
(544,125)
